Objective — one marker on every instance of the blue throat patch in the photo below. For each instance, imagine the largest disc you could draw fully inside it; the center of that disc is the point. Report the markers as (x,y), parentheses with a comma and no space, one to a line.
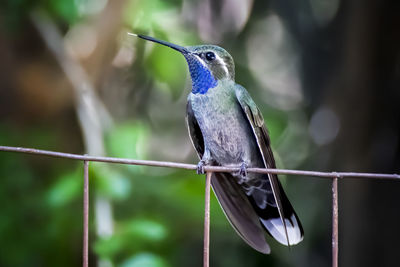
(202,78)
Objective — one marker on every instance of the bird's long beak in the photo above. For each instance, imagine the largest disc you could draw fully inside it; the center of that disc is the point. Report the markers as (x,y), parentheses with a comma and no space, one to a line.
(179,48)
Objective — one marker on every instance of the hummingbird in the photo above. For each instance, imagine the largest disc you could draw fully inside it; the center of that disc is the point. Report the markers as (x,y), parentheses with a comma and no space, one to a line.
(227,129)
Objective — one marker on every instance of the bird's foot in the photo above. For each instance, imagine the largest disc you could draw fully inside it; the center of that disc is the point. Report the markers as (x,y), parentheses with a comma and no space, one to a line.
(243,169)
(243,172)
(200,167)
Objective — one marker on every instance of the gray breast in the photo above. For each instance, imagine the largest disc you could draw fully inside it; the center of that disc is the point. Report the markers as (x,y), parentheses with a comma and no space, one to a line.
(227,133)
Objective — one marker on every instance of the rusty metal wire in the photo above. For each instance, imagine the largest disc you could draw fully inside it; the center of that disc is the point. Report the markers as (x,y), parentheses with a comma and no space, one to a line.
(193,166)
(206,241)
(208,169)
(85,251)
(335,223)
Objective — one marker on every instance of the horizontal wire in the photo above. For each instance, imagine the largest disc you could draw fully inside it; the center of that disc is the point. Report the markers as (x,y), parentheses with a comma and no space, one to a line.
(186,166)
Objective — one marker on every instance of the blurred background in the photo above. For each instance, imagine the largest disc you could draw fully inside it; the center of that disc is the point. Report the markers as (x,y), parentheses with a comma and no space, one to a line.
(325,74)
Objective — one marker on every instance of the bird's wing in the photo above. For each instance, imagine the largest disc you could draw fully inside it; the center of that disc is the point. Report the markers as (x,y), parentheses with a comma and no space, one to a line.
(231,197)
(283,205)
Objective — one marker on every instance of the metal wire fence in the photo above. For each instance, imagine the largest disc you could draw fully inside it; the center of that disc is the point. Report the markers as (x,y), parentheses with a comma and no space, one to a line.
(209,170)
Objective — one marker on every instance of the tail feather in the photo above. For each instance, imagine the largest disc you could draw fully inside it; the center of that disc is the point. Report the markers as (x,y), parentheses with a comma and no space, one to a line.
(276,229)
(271,221)
(239,211)
(251,218)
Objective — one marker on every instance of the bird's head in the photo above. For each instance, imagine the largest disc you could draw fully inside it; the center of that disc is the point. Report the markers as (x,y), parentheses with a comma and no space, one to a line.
(208,64)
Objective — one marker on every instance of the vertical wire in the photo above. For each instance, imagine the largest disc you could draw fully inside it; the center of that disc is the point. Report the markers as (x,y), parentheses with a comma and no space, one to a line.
(335,223)
(206,248)
(85,214)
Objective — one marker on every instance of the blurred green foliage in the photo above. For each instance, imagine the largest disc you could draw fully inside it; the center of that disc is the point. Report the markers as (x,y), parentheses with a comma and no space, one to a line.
(63,10)
(161,61)
(143,260)
(156,213)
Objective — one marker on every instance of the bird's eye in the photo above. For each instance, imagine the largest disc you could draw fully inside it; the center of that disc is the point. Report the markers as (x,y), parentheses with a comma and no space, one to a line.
(210,56)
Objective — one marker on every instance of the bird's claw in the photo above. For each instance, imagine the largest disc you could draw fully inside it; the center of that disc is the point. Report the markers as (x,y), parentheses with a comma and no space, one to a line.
(243,172)
(200,167)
